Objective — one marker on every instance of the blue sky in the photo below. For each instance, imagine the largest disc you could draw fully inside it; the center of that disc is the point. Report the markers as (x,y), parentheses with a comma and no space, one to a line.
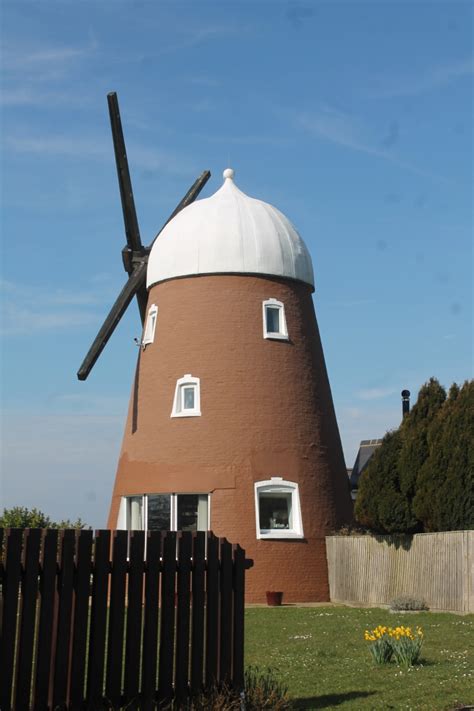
(353,118)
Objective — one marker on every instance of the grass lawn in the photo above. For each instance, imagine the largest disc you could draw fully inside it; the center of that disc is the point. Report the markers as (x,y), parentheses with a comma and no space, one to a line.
(321,655)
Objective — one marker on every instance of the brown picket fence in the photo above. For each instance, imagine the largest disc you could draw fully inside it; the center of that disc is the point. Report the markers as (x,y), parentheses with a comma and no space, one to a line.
(117,619)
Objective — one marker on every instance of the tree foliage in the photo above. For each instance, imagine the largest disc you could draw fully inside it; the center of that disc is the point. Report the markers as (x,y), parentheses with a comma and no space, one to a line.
(445,493)
(422,476)
(415,449)
(22,517)
(378,485)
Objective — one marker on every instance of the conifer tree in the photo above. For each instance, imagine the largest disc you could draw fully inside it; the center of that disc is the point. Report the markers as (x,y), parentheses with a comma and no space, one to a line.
(415,449)
(445,492)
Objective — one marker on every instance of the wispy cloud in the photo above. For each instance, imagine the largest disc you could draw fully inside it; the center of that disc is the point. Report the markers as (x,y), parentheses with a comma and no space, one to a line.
(433,78)
(43,63)
(90,147)
(16,58)
(58,145)
(26,310)
(193,36)
(34,96)
(33,75)
(329,124)
(245,140)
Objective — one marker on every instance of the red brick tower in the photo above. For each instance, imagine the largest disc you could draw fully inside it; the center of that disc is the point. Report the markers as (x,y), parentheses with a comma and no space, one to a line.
(231,424)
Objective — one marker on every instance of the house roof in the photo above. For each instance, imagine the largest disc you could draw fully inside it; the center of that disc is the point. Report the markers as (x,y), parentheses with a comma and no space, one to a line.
(366,449)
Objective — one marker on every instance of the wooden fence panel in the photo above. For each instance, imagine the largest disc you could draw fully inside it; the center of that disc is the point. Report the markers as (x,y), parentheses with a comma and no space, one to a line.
(115,638)
(239,611)
(198,611)
(61,603)
(11,587)
(96,663)
(435,567)
(82,578)
(29,594)
(63,634)
(150,626)
(225,642)
(167,623)
(212,610)
(182,616)
(46,618)
(134,618)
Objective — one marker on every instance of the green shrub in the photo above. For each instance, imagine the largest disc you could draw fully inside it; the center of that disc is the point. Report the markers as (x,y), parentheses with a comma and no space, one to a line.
(407,603)
(22,517)
(262,691)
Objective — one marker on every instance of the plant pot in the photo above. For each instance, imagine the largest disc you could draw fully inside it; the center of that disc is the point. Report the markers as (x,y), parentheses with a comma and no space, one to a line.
(274,598)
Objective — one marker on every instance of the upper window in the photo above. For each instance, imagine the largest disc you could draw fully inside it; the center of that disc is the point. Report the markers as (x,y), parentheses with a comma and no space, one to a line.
(277,506)
(187,398)
(150,326)
(274,321)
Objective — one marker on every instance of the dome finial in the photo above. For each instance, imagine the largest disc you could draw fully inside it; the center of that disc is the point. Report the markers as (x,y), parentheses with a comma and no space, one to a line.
(228,174)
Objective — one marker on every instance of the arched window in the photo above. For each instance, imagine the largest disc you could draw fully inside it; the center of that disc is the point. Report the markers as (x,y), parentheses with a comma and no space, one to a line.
(274,321)
(187,397)
(150,326)
(277,509)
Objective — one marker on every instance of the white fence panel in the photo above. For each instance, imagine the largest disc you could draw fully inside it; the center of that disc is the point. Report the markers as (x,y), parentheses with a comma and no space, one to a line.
(373,570)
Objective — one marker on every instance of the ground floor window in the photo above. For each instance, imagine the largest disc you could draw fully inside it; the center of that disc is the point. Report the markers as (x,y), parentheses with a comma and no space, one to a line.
(277,509)
(164,512)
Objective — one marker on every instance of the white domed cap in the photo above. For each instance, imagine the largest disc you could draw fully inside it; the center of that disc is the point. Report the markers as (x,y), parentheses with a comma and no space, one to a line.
(229,233)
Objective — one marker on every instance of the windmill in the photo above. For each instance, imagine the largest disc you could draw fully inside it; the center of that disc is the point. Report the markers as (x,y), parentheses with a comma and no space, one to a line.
(231,425)
(134,254)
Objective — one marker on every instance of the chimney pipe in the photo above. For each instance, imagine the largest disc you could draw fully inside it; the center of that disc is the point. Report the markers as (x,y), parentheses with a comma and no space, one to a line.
(405,402)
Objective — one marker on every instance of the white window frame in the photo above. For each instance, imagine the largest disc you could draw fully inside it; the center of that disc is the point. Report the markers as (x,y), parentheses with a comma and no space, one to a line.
(124,522)
(150,326)
(279,485)
(178,402)
(282,334)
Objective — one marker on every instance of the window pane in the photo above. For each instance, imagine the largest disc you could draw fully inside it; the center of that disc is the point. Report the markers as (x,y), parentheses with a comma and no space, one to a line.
(272,314)
(135,513)
(188,398)
(275,511)
(202,517)
(159,512)
(192,512)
